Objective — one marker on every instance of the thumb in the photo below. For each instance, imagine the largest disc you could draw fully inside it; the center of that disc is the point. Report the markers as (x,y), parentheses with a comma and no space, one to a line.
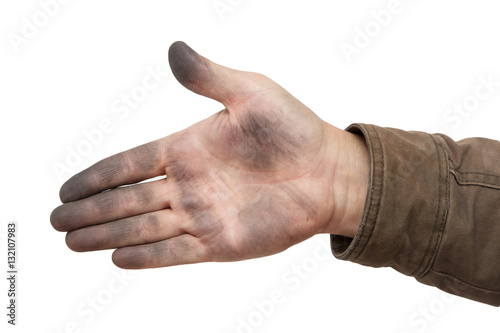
(205,77)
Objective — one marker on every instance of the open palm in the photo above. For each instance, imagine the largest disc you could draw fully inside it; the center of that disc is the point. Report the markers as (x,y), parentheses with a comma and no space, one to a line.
(251,180)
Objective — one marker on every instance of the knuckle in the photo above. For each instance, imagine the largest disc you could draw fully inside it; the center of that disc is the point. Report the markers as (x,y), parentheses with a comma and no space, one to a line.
(108,170)
(144,229)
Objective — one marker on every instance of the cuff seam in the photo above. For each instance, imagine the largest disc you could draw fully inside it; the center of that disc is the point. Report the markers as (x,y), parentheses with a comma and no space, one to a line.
(357,245)
(375,206)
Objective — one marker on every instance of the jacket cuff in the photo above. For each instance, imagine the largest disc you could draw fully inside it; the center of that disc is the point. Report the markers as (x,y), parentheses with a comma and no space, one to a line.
(405,209)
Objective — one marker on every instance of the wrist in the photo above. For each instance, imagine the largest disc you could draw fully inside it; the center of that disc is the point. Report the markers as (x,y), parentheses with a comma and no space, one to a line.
(349,183)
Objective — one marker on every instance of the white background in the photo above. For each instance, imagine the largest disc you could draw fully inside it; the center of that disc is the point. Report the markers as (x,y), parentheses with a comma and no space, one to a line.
(64,79)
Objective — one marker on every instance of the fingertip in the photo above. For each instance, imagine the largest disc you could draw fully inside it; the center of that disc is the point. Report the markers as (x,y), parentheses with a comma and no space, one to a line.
(72,242)
(57,219)
(65,195)
(115,258)
(121,259)
(70,190)
(187,66)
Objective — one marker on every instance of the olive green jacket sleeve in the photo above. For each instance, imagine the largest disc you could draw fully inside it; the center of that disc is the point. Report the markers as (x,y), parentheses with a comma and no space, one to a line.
(432,211)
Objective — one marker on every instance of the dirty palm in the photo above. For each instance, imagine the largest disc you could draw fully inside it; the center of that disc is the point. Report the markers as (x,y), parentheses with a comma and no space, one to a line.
(259,176)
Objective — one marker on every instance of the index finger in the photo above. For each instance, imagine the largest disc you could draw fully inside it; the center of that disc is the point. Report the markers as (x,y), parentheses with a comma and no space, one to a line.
(131,166)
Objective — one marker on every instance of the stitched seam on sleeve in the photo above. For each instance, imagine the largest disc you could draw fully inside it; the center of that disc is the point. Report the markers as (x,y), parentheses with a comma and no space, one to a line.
(475,182)
(437,230)
(466,283)
(377,204)
(478,173)
(446,205)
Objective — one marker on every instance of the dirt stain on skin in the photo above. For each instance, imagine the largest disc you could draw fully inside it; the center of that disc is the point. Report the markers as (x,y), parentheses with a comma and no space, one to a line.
(135,227)
(189,68)
(255,217)
(260,142)
(110,172)
(194,198)
(205,221)
(278,207)
(264,141)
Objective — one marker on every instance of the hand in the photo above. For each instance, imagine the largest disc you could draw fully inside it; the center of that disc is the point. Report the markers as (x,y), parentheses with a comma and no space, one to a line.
(259,176)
